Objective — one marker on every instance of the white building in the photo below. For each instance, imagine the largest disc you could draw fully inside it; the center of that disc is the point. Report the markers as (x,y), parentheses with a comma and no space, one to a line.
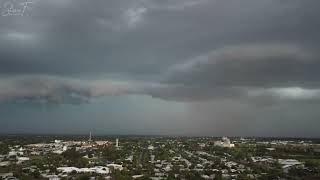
(117,142)
(57,141)
(150,147)
(224,143)
(96,169)
(115,166)
(287,164)
(137,176)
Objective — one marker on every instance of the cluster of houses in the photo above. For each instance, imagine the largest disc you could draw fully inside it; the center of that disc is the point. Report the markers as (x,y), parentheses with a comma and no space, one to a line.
(58,146)
(286,164)
(196,161)
(182,159)
(20,154)
(100,170)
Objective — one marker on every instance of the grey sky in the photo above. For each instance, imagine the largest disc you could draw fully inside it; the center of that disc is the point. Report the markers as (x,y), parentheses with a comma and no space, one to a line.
(182,67)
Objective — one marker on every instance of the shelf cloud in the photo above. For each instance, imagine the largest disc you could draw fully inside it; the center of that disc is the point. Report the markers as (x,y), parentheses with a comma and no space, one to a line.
(246,71)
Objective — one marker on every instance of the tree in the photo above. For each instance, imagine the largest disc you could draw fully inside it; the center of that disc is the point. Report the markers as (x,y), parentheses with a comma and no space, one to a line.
(4,149)
(110,153)
(84,177)
(312,163)
(119,176)
(75,158)
(171,176)
(36,174)
(71,154)
(100,178)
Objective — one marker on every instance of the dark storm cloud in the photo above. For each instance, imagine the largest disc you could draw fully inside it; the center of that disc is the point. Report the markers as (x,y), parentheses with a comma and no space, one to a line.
(243,70)
(219,57)
(263,73)
(254,72)
(143,38)
(252,66)
(54,89)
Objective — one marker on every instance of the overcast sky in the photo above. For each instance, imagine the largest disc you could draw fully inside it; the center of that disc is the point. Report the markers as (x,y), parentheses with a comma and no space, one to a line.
(167,67)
